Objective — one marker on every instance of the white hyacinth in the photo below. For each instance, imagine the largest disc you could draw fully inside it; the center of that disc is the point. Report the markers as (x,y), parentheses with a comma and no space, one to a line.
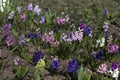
(100,42)
(114,74)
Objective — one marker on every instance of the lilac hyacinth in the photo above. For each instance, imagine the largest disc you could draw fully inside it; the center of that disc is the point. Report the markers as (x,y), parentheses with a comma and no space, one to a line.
(112,48)
(82,25)
(55,64)
(37,10)
(72,65)
(37,56)
(6,28)
(9,40)
(30,7)
(11,15)
(22,39)
(42,19)
(99,55)
(114,66)
(105,27)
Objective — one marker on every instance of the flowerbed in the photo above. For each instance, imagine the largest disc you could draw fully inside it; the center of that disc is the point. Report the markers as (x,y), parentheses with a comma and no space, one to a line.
(38,44)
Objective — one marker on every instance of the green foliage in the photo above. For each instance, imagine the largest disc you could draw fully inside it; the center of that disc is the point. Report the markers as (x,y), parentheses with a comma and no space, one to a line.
(36,75)
(21,71)
(82,75)
(49,17)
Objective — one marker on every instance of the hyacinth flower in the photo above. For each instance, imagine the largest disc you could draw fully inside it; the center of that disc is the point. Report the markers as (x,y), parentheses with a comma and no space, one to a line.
(31,36)
(54,64)
(88,31)
(112,48)
(60,21)
(23,17)
(105,11)
(9,40)
(114,66)
(105,27)
(37,9)
(48,37)
(100,42)
(30,7)
(102,69)
(40,64)
(22,39)
(42,19)
(6,28)
(72,66)
(19,9)
(99,55)
(82,25)
(37,56)
(16,61)
(11,15)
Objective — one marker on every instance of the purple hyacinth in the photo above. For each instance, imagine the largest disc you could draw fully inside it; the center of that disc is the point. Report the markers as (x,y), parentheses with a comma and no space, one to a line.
(22,39)
(114,66)
(6,28)
(99,55)
(82,25)
(55,65)
(37,56)
(9,40)
(72,65)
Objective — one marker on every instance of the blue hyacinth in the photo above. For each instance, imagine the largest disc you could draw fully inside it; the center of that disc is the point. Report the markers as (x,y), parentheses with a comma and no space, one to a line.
(37,56)
(54,65)
(72,65)
(99,55)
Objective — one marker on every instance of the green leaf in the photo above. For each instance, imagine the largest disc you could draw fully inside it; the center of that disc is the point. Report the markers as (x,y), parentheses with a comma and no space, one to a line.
(14,32)
(80,73)
(36,74)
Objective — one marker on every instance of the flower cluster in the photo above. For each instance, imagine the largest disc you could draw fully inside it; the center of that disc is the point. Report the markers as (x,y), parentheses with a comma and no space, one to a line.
(72,36)
(112,70)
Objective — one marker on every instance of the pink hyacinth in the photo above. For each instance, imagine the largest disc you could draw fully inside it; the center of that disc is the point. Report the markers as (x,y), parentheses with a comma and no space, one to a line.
(60,21)
(48,37)
(113,48)
(23,17)
(102,69)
